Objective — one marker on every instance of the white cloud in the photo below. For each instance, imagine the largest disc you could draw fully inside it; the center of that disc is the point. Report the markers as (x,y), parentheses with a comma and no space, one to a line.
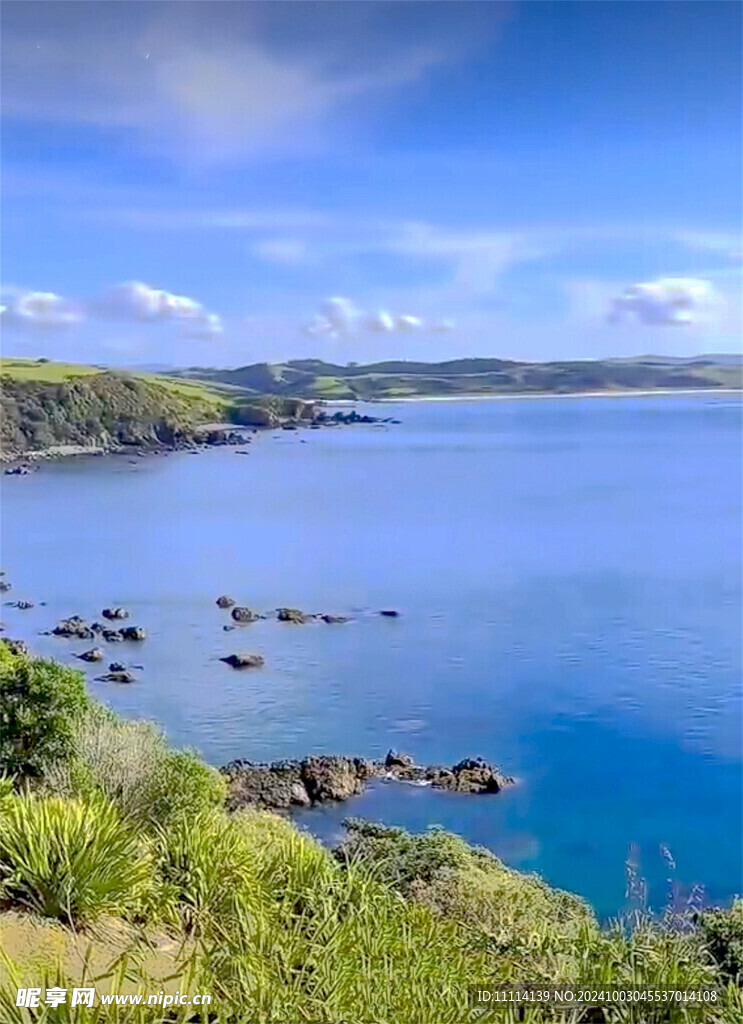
(136,301)
(341,318)
(381,321)
(208,83)
(667,300)
(208,326)
(405,322)
(40,311)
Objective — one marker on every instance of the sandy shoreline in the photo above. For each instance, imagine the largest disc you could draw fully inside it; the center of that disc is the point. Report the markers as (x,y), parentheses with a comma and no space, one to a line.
(540,395)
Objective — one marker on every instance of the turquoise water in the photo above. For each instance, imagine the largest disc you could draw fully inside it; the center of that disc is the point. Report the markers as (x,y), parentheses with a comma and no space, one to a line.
(568,573)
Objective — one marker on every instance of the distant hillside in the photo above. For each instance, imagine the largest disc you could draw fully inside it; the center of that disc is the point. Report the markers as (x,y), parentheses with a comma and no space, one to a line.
(313,378)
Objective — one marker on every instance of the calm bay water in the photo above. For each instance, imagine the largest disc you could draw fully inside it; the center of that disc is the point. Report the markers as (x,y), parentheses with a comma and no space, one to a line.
(568,573)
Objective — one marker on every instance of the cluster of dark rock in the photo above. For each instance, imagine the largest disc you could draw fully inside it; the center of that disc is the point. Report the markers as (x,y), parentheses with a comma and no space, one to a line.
(78,629)
(282,785)
(350,417)
(21,470)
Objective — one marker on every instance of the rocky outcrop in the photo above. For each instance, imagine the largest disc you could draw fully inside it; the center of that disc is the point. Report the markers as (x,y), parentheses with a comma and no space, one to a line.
(115,613)
(242,614)
(22,605)
(285,784)
(244,660)
(74,627)
(282,785)
(94,654)
(133,633)
(293,615)
(225,601)
(333,619)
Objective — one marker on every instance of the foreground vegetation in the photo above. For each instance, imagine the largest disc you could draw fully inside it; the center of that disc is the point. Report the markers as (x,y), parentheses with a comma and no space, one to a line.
(120,868)
(313,378)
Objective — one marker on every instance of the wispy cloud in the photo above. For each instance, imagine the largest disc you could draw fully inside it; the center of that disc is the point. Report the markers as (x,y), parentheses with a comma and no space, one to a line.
(212,83)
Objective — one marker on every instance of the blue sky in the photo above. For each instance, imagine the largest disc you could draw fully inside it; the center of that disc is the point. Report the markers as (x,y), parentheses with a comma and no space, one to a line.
(498,173)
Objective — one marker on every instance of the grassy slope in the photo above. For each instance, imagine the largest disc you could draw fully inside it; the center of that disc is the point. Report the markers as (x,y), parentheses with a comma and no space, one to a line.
(311,378)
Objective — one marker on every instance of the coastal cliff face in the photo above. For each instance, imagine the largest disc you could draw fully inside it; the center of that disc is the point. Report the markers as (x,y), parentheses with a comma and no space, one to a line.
(111,411)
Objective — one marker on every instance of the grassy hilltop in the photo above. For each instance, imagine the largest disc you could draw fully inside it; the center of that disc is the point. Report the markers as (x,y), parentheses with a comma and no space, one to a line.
(313,378)
(121,869)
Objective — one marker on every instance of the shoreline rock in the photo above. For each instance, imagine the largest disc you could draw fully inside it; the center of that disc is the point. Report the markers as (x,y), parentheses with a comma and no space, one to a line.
(282,785)
(244,660)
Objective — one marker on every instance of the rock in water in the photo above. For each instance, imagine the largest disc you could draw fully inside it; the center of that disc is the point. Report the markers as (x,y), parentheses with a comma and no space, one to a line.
(331,778)
(116,666)
(390,613)
(118,676)
(330,619)
(94,654)
(395,760)
(133,633)
(293,615)
(112,636)
(244,660)
(115,613)
(74,627)
(241,614)
(22,606)
(225,601)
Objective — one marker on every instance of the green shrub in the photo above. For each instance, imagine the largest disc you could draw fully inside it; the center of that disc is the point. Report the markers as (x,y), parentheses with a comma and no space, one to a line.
(131,764)
(70,860)
(723,935)
(41,703)
(184,784)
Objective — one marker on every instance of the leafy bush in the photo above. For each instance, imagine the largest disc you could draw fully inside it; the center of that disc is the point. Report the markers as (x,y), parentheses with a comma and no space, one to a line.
(723,935)
(131,764)
(70,860)
(41,703)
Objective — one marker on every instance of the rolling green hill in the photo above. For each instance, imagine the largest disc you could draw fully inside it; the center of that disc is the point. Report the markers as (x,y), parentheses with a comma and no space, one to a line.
(313,378)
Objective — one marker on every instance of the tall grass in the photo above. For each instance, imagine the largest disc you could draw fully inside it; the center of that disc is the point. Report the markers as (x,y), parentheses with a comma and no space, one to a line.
(70,860)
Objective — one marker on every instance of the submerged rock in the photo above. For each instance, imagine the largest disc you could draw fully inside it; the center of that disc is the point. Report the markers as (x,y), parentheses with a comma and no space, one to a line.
(293,615)
(225,601)
(4,586)
(22,605)
(390,613)
(331,619)
(94,654)
(242,614)
(244,660)
(117,676)
(112,636)
(115,613)
(116,666)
